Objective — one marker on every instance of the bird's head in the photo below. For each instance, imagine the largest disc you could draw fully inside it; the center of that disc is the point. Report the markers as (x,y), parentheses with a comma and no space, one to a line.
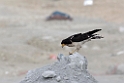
(65,42)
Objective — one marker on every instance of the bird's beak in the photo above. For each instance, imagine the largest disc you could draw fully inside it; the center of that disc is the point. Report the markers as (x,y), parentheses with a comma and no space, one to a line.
(63,45)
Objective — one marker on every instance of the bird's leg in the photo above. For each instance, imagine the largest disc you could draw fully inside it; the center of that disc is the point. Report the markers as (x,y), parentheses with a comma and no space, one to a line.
(79,46)
(70,53)
(75,50)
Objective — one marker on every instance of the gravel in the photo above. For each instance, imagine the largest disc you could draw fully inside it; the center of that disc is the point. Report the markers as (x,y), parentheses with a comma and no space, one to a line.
(67,69)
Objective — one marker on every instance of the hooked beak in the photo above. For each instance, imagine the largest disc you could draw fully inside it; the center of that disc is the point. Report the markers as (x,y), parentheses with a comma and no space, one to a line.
(63,45)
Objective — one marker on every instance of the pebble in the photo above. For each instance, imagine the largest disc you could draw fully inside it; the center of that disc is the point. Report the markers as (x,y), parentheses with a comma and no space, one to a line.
(66,78)
(58,78)
(74,82)
(48,74)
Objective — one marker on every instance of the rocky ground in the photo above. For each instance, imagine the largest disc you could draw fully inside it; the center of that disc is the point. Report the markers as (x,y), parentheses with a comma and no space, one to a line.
(28,41)
(67,69)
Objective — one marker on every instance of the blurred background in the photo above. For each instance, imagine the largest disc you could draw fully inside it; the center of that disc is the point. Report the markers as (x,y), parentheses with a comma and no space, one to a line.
(31,32)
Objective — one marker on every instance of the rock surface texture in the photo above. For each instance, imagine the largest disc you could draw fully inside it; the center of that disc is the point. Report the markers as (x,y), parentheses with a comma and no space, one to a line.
(67,69)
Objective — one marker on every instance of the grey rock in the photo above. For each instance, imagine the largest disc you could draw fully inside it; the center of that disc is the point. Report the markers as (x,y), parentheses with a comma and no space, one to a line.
(59,57)
(120,69)
(77,60)
(75,76)
(66,78)
(58,78)
(68,69)
(74,82)
(116,69)
(72,65)
(48,74)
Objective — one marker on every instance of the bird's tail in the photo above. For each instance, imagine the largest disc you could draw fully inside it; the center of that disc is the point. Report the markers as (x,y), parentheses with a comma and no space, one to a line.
(94,36)
(93,31)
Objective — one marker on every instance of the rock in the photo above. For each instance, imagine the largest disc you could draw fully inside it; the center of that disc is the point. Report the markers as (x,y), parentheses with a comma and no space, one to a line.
(82,65)
(66,78)
(121,29)
(116,69)
(68,69)
(72,65)
(112,69)
(49,74)
(77,60)
(120,52)
(59,57)
(120,69)
(88,2)
(74,82)
(58,78)
(75,76)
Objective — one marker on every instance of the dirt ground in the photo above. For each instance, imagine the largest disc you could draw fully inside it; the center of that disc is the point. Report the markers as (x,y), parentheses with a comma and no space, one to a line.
(28,41)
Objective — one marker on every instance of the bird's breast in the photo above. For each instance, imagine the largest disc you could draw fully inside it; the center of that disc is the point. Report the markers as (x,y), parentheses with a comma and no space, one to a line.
(70,45)
(74,44)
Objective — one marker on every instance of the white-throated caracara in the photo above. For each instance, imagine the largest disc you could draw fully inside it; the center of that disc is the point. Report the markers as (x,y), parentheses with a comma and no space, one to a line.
(77,40)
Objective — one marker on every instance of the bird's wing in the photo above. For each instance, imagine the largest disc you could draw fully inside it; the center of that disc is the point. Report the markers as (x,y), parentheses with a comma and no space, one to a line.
(89,33)
(83,36)
(78,37)
(75,35)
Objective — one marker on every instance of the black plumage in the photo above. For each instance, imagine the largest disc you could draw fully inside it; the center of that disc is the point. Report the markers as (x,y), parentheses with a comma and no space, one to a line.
(82,36)
(77,40)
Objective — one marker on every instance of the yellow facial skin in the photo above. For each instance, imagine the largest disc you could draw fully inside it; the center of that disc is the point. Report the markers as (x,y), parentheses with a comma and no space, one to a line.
(63,45)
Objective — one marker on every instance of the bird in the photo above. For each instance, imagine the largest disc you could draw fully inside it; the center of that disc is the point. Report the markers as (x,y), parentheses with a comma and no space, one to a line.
(77,40)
